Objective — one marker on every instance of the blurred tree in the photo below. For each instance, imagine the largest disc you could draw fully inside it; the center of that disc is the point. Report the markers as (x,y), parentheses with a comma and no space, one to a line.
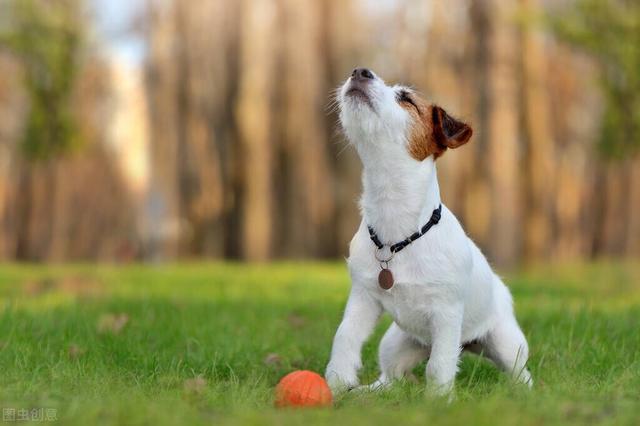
(309,204)
(192,79)
(610,30)
(45,37)
(539,171)
(254,118)
(499,121)
(241,160)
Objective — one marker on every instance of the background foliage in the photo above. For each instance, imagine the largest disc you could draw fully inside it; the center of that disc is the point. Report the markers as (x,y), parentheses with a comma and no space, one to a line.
(609,31)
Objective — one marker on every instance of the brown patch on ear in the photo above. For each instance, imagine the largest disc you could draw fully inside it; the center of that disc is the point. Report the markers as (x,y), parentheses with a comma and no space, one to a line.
(447,131)
(433,130)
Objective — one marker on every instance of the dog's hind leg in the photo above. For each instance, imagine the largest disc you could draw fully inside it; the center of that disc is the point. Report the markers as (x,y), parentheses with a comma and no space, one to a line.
(398,354)
(507,347)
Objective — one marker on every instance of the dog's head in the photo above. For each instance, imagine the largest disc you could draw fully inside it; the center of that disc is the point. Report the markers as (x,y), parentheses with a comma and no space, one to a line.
(395,120)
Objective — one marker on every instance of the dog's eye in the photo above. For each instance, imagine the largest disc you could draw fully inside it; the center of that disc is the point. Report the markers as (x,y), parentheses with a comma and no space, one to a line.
(403,96)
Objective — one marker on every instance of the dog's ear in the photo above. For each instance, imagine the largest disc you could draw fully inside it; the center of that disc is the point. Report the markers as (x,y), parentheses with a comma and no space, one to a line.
(447,131)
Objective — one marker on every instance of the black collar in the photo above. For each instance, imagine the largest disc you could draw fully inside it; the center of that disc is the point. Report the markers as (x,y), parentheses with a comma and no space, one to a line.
(435,218)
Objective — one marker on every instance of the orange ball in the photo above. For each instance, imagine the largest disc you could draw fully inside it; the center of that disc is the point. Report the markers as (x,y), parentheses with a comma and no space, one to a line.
(303,389)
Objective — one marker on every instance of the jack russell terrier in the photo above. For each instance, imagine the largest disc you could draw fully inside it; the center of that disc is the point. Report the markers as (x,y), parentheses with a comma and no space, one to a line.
(410,257)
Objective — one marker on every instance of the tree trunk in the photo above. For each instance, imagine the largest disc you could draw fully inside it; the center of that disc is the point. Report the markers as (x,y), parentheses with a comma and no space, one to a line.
(253,118)
(310,196)
(24,213)
(501,126)
(540,146)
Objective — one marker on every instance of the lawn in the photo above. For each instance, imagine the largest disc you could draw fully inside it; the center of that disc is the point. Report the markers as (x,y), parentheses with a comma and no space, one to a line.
(206,344)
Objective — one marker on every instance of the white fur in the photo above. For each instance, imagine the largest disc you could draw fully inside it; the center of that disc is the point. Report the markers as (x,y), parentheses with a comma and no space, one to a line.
(445,293)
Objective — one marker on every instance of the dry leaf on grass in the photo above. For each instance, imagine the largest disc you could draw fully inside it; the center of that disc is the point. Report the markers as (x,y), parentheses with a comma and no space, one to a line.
(76,285)
(80,286)
(273,359)
(112,323)
(197,385)
(299,363)
(75,351)
(296,320)
(37,287)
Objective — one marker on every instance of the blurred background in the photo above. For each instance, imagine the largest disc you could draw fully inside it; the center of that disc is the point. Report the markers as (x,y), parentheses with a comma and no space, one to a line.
(178,129)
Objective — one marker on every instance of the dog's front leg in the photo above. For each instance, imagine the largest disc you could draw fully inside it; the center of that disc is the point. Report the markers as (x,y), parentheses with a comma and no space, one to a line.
(446,328)
(359,319)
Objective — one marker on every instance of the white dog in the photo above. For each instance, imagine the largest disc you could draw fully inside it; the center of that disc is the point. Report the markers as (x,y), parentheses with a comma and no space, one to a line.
(410,257)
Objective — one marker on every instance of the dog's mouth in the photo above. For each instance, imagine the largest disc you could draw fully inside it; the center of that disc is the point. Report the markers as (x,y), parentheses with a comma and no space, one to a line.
(356,93)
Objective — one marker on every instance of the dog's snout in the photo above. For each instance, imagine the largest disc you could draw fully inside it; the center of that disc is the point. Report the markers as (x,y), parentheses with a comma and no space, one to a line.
(362,74)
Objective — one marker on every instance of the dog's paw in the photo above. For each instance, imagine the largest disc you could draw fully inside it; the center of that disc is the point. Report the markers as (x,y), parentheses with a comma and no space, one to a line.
(444,390)
(340,383)
(524,377)
(376,386)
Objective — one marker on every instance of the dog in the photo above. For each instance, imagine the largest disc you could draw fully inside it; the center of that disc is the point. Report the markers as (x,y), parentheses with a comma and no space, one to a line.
(410,256)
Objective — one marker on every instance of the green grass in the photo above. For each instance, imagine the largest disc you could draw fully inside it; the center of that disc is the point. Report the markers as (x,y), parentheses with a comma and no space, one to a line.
(220,321)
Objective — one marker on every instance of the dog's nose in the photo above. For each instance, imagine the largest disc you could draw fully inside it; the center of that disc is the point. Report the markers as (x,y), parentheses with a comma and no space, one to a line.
(362,74)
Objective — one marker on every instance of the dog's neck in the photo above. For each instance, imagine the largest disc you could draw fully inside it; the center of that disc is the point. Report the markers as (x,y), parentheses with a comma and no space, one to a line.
(397,199)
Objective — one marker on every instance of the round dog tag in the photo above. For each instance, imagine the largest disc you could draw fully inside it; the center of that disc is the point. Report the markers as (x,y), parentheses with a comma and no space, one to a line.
(385,279)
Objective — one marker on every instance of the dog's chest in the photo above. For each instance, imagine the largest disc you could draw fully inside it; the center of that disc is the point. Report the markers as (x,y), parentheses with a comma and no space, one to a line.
(410,305)
(427,278)
(413,296)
